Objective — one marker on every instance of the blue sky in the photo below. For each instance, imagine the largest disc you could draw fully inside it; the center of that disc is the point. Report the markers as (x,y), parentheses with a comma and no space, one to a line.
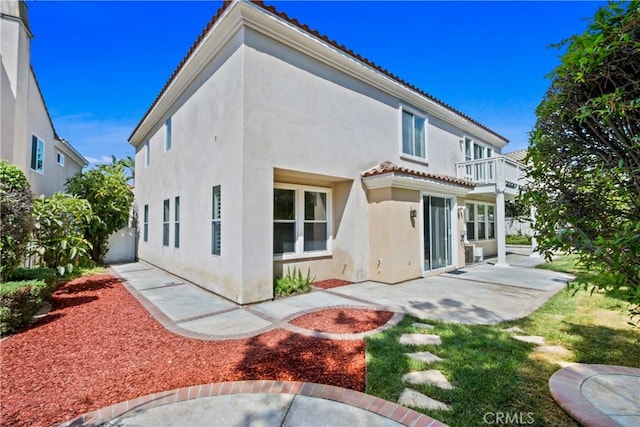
(101,64)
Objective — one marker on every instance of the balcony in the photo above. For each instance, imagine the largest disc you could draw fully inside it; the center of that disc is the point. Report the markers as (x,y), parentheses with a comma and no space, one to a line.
(492,175)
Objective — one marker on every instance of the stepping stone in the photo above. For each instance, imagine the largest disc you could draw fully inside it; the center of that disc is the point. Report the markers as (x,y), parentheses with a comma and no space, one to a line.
(420,339)
(418,400)
(532,339)
(422,325)
(424,356)
(552,349)
(513,329)
(433,376)
(564,364)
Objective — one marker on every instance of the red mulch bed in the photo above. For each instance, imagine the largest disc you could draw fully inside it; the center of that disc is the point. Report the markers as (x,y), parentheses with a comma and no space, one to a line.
(99,346)
(331,283)
(343,320)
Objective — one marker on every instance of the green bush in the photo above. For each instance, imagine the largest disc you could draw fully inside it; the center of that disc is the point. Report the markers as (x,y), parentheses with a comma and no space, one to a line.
(19,302)
(58,238)
(15,211)
(48,275)
(293,282)
(518,239)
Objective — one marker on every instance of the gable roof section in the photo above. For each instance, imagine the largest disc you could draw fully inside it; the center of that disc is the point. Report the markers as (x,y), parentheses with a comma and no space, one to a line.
(390,167)
(313,33)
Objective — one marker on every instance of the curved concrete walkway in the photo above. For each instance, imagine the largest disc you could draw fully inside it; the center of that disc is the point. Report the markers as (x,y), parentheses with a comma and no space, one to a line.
(256,403)
(598,395)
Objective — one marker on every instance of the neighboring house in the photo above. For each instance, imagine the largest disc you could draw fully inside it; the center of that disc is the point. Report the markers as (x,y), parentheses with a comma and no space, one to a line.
(28,138)
(272,146)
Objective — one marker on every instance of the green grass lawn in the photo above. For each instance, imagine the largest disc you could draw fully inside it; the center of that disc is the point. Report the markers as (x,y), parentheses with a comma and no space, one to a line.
(492,372)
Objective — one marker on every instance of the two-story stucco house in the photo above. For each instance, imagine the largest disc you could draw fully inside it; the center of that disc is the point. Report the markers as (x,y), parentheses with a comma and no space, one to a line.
(271,147)
(28,138)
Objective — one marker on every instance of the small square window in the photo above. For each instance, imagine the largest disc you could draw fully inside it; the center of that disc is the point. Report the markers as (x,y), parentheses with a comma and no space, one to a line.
(60,158)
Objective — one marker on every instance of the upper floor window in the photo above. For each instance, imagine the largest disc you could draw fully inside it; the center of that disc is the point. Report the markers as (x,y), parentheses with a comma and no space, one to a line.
(413,135)
(60,158)
(147,155)
(37,154)
(167,135)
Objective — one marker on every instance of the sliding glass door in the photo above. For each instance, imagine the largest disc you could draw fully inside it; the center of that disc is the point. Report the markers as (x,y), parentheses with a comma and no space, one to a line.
(437,230)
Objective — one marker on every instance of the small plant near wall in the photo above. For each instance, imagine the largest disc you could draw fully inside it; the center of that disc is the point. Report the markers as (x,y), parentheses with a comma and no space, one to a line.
(294,282)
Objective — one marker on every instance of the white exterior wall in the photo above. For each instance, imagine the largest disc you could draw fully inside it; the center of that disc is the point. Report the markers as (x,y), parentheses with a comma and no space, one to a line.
(263,113)
(206,151)
(23,111)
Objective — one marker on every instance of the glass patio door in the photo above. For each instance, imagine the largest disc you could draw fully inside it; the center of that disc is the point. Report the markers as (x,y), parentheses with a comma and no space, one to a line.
(437,232)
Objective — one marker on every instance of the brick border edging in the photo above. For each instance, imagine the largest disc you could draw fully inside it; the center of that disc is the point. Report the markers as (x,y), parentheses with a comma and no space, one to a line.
(565,387)
(400,414)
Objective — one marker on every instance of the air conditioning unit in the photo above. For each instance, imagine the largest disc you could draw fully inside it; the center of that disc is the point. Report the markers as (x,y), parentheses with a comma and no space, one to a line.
(469,254)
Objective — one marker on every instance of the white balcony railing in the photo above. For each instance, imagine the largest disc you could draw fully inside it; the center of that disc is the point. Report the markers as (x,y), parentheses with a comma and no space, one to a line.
(505,174)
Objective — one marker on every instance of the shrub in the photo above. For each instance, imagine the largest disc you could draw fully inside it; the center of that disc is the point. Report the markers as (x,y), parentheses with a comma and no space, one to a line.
(58,238)
(16,223)
(293,282)
(518,239)
(107,190)
(19,302)
(48,275)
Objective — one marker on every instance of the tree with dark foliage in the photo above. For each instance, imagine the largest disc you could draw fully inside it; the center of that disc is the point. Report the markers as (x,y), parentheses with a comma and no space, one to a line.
(584,153)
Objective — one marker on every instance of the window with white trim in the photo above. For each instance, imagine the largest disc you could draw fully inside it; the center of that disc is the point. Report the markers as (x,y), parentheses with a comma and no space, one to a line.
(145,223)
(413,135)
(37,154)
(176,222)
(147,154)
(301,221)
(165,222)
(60,158)
(216,221)
(480,221)
(167,135)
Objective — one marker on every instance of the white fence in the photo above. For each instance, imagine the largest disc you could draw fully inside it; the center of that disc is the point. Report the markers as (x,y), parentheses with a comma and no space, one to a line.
(122,246)
(518,226)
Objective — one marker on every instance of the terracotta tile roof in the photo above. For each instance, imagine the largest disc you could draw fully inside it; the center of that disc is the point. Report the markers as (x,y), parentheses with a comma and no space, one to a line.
(390,167)
(325,39)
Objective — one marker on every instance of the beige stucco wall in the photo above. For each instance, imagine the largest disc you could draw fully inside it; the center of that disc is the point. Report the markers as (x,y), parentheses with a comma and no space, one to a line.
(260,114)
(23,111)
(395,249)
(206,151)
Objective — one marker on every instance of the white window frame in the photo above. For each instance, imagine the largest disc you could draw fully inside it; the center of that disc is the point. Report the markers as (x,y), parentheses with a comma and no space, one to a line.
(476,223)
(299,206)
(145,223)
(40,148)
(167,135)
(176,222)
(166,221)
(147,153)
(216,218)
(60,158)
(488,151)
(411,156)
